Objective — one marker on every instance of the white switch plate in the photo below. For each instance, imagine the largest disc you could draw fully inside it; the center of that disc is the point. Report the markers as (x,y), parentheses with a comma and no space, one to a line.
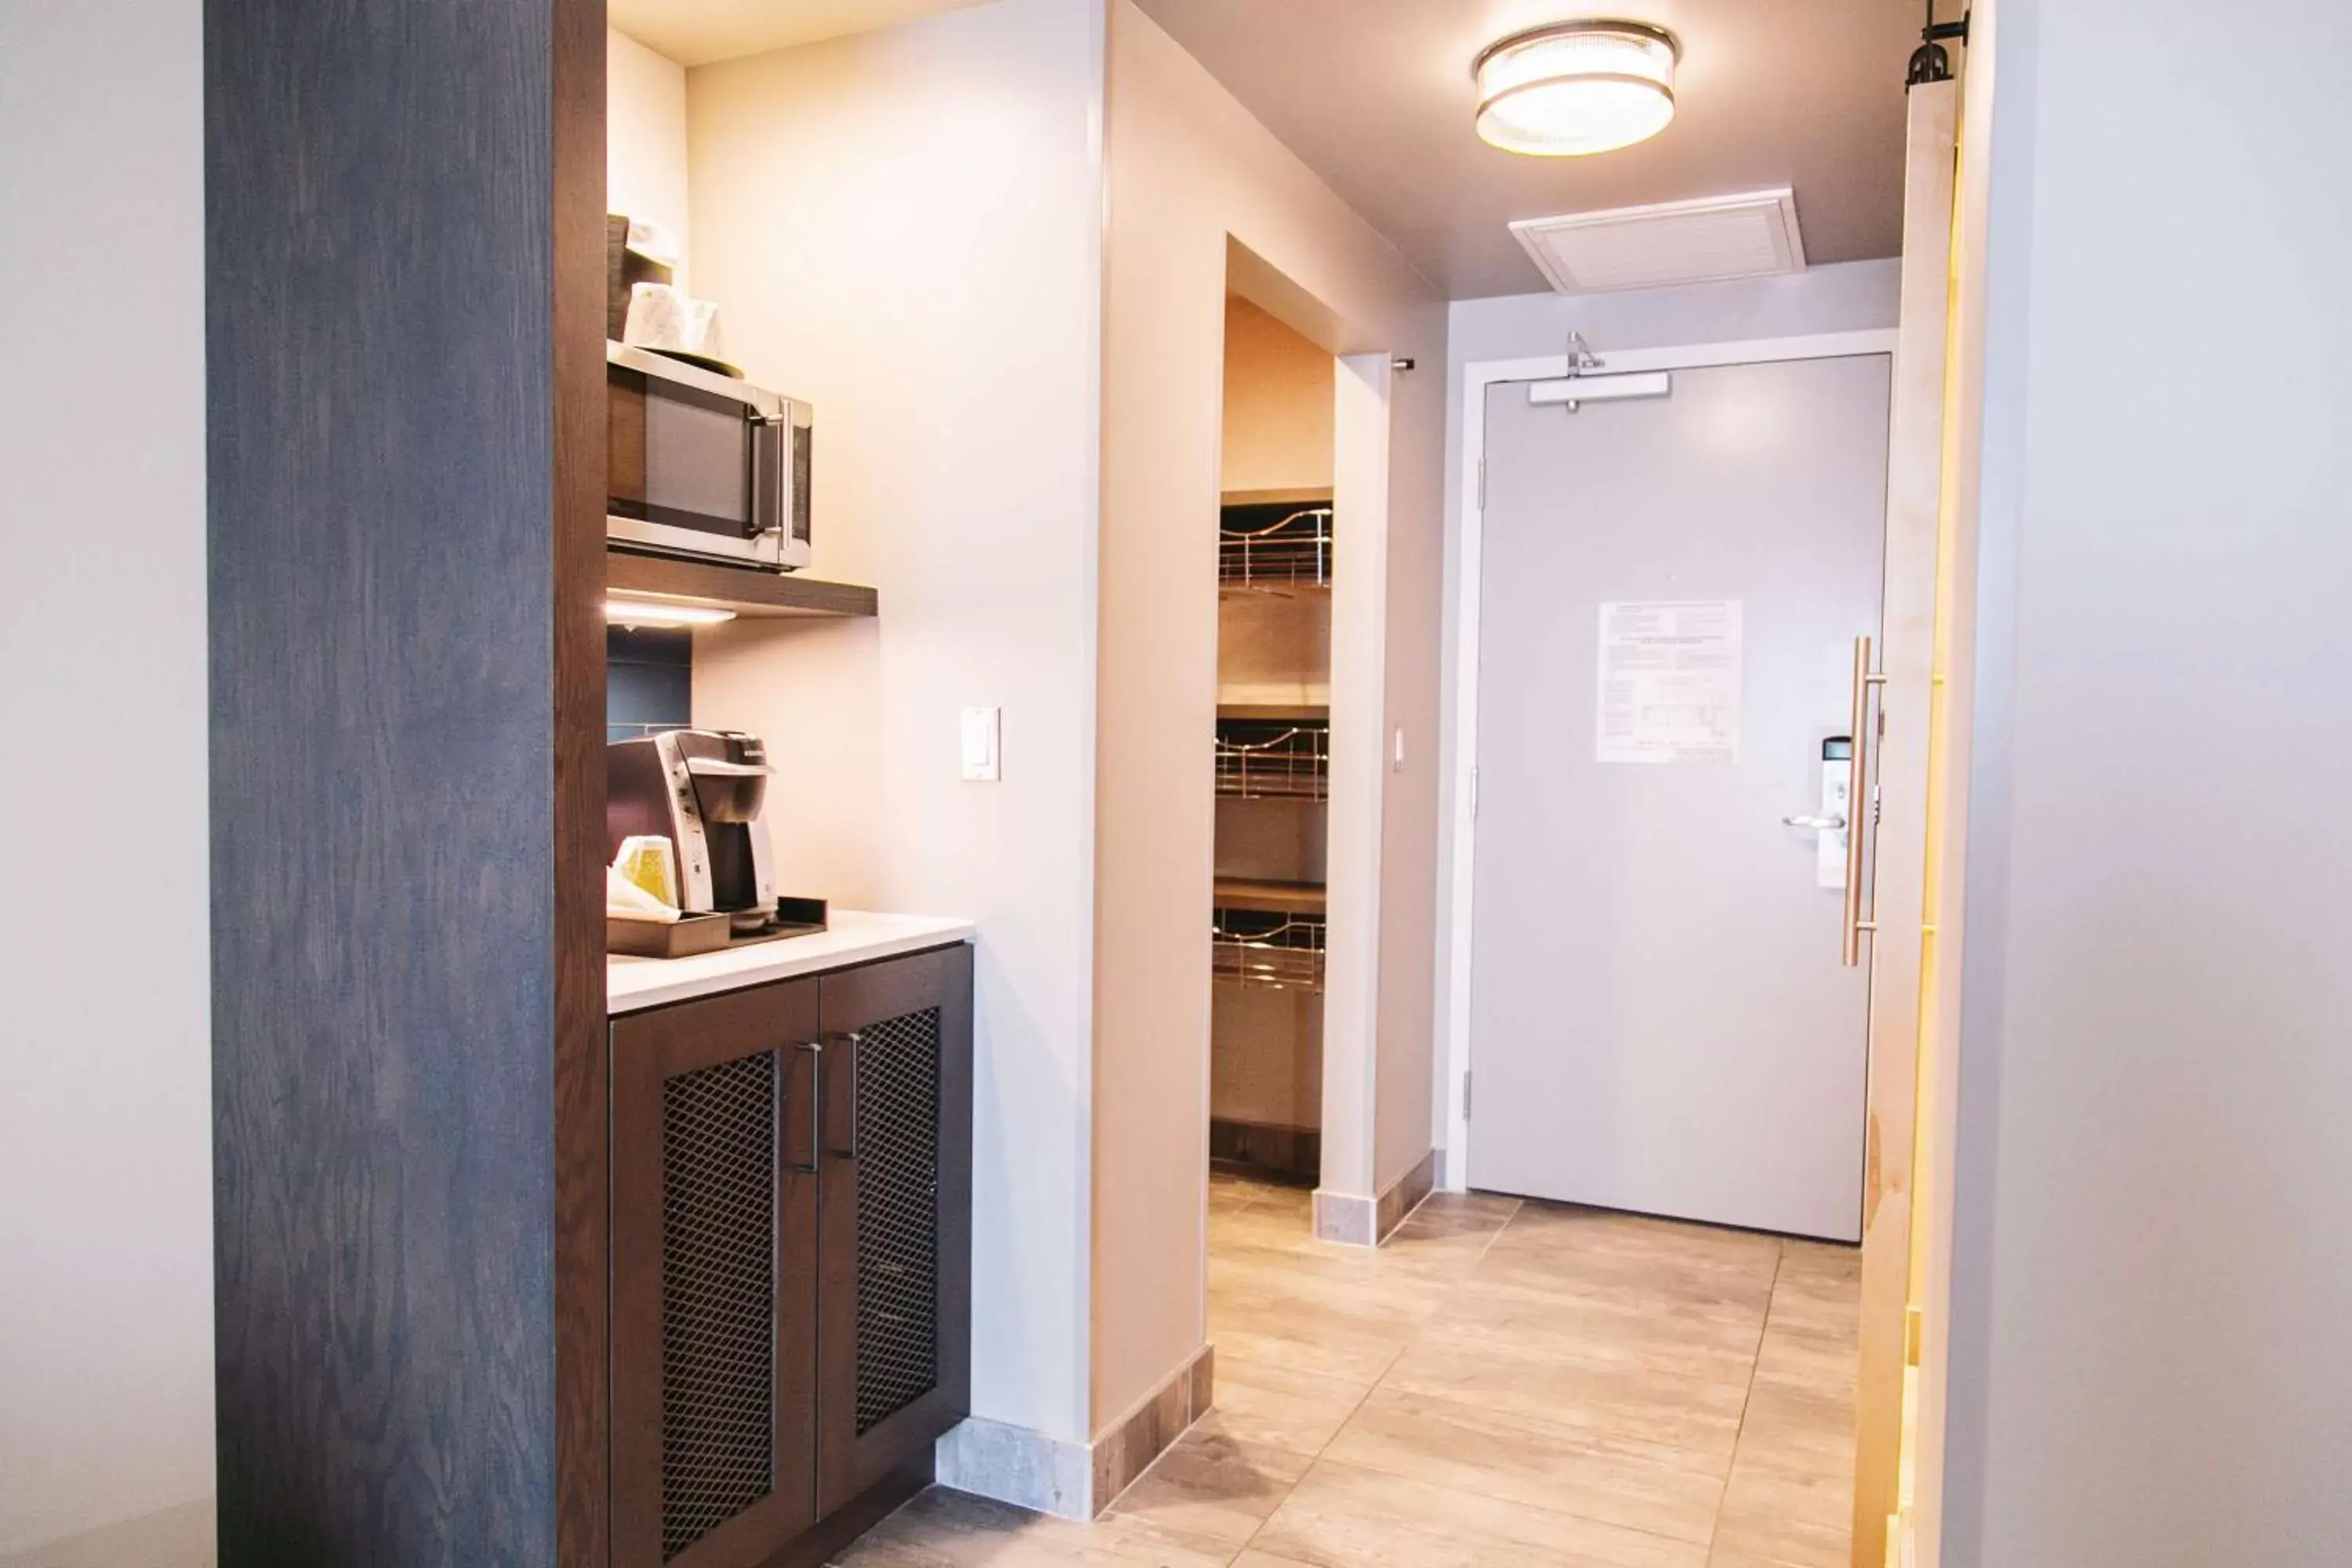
(1396,755)
(983,734)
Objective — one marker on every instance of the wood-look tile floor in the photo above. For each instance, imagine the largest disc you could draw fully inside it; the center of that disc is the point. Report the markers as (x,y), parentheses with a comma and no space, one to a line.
(1504,1382)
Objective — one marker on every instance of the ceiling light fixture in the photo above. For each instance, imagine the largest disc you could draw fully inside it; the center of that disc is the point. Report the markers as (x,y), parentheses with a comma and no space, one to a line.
(1574,87)
(647,613)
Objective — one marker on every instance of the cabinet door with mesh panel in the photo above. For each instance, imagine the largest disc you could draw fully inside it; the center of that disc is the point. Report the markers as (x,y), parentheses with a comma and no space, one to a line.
(894,1318)
(714,1243)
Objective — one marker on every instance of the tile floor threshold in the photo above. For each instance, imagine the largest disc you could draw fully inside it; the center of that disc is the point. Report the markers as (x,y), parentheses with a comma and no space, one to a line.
(1504,1382)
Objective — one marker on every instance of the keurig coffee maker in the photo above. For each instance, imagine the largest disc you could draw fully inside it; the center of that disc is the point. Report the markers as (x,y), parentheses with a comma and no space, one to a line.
(705,791)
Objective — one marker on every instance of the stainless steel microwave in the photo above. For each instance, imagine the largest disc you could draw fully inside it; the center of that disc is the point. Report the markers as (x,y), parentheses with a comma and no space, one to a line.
(702,464)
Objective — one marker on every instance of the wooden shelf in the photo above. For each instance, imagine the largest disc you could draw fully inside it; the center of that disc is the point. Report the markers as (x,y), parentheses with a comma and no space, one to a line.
(1275,590)
(1307,496)
(1277,712)
(1269,898)
(749,593)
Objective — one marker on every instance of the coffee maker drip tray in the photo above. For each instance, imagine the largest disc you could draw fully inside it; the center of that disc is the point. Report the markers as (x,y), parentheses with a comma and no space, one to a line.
(790,917)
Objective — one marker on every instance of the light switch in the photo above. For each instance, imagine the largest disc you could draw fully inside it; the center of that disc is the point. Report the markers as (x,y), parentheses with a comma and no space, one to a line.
(983,730)
(1396,753)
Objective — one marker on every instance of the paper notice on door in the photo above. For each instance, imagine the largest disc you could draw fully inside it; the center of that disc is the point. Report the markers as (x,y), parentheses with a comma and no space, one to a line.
(1670,681)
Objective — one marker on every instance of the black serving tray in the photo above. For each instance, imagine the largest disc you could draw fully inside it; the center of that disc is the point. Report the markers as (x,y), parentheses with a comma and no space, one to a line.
(692,934)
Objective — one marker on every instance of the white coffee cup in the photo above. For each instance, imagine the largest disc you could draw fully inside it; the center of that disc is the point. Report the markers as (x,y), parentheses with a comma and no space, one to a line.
(661,317)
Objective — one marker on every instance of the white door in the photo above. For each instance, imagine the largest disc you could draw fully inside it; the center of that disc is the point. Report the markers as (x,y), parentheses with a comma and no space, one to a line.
(1659,1019)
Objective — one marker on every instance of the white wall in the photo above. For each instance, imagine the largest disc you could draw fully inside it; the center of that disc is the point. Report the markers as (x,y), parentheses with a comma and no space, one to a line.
(2151,1270)
(904,228)
(645,139)
(1277,408)
(1850,296)
(106,1354)
(1190,171)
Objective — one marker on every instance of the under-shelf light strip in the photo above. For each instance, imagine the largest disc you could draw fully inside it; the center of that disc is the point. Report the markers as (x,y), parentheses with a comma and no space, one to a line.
(655,613)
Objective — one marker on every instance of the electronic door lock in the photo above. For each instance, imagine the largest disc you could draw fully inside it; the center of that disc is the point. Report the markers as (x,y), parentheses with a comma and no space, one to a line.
(1833,819)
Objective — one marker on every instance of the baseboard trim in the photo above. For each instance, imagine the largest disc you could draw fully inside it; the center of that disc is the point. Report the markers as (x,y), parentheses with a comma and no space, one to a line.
(1016,1465)
(1346,1218)
(1295,1153)
(182,1536)
(1126,1447)
(1069,1479)
(1351,1220)
(1404,1194)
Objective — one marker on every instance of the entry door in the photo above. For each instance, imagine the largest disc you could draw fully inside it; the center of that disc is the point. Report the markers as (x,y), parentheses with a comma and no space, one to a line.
(1659,1019)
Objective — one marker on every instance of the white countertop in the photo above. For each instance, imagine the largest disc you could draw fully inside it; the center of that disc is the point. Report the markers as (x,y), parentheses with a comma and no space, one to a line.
(632,984)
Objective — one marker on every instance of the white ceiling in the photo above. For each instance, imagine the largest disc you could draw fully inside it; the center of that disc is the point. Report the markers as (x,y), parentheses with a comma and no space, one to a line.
(697,32)
(1375,95)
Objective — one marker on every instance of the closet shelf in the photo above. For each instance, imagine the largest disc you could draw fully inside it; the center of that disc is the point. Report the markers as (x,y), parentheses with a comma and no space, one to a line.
(1287,712)
(1284,951)
(1255,896)
(1273,759)
(1274,548)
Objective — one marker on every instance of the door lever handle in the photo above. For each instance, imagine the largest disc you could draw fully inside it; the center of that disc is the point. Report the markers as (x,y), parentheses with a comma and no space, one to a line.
(1816,824)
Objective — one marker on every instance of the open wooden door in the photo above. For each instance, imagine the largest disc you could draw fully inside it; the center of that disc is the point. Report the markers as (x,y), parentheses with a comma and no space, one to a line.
(1916,1528)
(1901,930)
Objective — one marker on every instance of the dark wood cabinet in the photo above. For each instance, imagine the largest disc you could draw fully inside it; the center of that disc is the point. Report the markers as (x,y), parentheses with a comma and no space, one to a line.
(715,1256)
(894,1358)
(791,1239)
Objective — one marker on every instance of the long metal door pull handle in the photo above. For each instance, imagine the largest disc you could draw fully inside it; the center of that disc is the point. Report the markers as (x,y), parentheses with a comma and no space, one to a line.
(1858,777)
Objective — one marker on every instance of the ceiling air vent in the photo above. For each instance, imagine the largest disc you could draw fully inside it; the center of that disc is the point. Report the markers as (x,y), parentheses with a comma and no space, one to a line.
(1705,241)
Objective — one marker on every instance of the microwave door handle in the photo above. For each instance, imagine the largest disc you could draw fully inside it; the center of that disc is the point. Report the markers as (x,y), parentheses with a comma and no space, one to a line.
(767,458)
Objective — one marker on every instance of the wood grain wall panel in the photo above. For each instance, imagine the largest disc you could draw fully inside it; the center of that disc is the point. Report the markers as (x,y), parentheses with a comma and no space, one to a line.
(404,691)
(582,1120)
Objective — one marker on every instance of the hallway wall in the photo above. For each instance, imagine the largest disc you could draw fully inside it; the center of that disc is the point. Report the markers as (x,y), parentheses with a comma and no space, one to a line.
(1189,174)
(106,1268)
(854,216)
(2151,1277)
(1277,406)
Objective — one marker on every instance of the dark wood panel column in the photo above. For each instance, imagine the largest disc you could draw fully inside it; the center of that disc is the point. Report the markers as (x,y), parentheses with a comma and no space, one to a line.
(405,307)
(582,1121)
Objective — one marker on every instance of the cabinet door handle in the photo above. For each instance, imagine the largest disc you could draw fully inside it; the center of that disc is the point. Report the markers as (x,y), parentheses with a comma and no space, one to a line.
(815,1050)
(855,1041)
(846,1057)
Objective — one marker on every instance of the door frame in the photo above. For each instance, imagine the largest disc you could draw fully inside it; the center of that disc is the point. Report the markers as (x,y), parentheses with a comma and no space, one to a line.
(1459,828)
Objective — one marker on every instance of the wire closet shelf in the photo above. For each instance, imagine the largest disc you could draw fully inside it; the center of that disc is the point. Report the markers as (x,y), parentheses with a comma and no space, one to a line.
(1259,759)
(1281,951)
(1274,548)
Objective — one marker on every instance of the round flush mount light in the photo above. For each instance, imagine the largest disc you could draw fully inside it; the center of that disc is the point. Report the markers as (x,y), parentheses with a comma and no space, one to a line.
(1575,88)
